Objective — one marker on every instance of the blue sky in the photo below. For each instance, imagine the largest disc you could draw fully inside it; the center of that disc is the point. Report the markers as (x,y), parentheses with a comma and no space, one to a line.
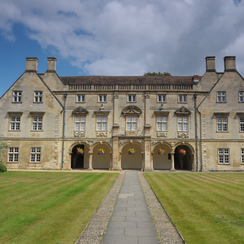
(129,37)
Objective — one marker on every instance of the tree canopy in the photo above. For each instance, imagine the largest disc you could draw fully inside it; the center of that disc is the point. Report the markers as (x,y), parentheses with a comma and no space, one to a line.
(157,74)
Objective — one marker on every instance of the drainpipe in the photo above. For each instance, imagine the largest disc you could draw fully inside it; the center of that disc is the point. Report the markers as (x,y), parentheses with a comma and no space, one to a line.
(195,107)
(65,96)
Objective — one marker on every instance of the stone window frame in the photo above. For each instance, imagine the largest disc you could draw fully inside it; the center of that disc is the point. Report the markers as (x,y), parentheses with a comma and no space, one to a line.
(17,96)
(241,119)
(79,112)
(163,98)
(102,98)
(242,155)
(38,97)
(131,122)
(162,122)
(220,124)
(183,123)
(15,121)
(13,153)
(80,98)
(223,156)
(80,122)
(182,98)
(35,153)
(131,98)
(132,111)
(102,114)
(37,121)
(221,97)
(241,96)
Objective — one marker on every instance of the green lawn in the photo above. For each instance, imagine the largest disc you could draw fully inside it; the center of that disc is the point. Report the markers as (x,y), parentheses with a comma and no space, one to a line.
(49,207)
(206,208)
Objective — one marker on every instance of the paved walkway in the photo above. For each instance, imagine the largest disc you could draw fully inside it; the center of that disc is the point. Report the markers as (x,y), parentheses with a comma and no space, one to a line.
(131,222)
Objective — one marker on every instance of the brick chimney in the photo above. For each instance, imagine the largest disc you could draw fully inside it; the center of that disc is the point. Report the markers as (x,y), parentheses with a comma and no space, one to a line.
(51,64)
(230,63)
(210,64)
(31,64)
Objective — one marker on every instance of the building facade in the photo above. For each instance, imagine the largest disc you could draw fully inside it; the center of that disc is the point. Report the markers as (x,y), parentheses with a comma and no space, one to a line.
(193,123)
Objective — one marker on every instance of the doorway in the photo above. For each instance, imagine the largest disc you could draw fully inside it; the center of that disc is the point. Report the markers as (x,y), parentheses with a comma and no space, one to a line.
(183,158)
(77,159)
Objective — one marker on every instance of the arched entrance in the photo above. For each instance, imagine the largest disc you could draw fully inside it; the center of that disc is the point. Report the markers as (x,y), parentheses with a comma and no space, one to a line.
(162,157)
(129,160)
(77,158)
(183,158)
(101,160)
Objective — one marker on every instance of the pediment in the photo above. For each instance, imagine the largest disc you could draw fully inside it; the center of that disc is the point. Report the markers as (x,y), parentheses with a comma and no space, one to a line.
(183,111)
(129,110)
(80,111)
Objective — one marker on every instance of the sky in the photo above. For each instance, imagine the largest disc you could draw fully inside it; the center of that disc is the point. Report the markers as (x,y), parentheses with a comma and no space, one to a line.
(123,37)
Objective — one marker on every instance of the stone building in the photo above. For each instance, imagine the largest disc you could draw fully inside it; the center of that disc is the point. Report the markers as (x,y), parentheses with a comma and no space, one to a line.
(147,123)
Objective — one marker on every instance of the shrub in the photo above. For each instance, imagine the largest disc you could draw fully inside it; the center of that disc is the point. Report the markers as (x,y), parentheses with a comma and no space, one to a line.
(3,168)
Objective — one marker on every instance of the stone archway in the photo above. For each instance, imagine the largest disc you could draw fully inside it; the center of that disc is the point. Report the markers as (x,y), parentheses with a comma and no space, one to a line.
(162,158)
(129,161)
(78,160)
(183,161)
(101,161)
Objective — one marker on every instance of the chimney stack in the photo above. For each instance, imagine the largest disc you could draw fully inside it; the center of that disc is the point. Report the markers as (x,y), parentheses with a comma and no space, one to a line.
(51,64)
(31,64)
(210,64)
(230,63)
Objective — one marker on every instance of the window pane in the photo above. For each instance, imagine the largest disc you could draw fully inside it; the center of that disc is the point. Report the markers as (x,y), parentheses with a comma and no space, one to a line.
(224,127)
(134,119)
(77,119)
(10,158)
(39,126)
(224,120)
(99,119)
(83,119)
(32,157)
(99,126)
(179,127)
(179,119)
(134,126)
(38,149)
(164,126)
(16,149)
(129,119)
(33,149)
(128,126)
(11,149)
(185,119)
(38,157)
(104,126)
(159,126)
(17,126)
(16,157)
(82,126)
(219,127)
(164,119)
(104,119)
(185,127)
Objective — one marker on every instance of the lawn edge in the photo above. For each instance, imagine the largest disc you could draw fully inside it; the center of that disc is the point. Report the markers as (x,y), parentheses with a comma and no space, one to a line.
(166,231)
(97,226)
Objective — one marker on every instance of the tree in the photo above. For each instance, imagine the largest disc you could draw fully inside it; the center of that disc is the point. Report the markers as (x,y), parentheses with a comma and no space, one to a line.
(157,74)
(3,147)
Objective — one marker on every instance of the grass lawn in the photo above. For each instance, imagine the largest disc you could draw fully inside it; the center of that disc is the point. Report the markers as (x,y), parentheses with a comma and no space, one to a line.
(49,207)
(206,208)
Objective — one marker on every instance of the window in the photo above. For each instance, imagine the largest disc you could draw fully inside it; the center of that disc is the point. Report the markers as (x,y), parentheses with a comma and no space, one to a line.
(35,154)
(38,97)
(161,98)
(242,155)
(182,123)
(221,97)
(223,156)
(241,97)
(15,123)
(37,123)
(182,98)
(101,123)
(80,123)
(131,98)
(241,124)
(13,154)
(161,123)
(222,124)
(17,96)
(80,98)
(131,123)
(102,98)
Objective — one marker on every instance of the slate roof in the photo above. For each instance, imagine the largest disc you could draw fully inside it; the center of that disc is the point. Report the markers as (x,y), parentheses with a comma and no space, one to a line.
(128,80)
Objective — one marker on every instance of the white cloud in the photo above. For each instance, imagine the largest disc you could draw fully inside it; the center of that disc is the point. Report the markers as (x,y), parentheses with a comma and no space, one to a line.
(132,37)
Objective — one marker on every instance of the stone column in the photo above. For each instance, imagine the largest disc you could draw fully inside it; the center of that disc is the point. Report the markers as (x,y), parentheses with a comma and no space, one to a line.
(147,114)
(147,155)
(111,160)
(116,98)
(90,162)
(172,162)
(115,162)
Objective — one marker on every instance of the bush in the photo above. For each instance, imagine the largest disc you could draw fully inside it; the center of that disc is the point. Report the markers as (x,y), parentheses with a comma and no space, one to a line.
(3,168)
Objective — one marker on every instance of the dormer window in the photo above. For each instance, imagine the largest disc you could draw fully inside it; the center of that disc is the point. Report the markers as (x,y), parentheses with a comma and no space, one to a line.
(161,98)
(38,97)
(182,98)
